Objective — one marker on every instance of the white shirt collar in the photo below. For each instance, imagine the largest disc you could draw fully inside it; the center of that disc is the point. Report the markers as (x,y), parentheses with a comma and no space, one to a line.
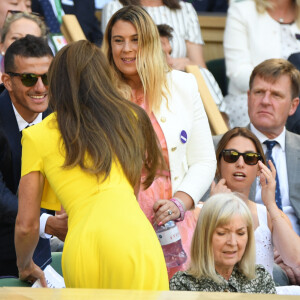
(22,123)
(280,139)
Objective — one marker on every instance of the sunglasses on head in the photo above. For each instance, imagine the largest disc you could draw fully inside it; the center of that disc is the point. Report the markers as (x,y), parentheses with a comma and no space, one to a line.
(14,12)
(250,158)
(30,79)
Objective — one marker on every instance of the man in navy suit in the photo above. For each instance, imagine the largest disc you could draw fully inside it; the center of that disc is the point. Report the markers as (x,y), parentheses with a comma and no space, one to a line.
(23,103)
(84,10)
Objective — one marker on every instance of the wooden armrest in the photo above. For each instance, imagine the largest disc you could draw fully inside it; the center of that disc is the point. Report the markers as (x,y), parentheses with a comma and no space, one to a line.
(216,121)
(71,29)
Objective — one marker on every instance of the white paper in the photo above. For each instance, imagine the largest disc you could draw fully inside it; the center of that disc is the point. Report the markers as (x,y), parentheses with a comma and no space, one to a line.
(53,279)
(288,290)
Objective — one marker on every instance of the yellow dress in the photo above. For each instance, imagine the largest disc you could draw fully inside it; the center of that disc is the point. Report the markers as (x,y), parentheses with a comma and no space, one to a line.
(110,243)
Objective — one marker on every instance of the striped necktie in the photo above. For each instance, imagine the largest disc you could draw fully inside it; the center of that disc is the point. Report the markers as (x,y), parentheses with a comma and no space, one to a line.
(270,145)
(50,17)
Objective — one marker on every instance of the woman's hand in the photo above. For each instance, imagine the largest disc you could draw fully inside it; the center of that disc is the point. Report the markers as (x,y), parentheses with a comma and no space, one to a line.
(220,187)
(268,183)
(162,209)
(33,273)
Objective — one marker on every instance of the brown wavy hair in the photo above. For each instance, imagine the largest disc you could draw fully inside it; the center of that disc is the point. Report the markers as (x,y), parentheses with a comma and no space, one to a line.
(97,125)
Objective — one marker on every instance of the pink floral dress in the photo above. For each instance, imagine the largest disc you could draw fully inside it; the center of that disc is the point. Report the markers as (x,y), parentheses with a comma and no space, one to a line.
(161,188)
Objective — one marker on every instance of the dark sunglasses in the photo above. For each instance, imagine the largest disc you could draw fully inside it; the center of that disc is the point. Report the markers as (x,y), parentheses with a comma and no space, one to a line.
(13,12)
(30,79)
(250,158)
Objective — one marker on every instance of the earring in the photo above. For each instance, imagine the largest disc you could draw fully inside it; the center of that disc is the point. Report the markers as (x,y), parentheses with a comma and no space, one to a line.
(2,53)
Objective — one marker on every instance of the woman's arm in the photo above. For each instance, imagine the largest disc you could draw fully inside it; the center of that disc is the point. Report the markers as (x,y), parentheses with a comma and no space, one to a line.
(27,226)
(193,38)
(236,46)
(162,206)
(194,57)
(199,154)
(285,239)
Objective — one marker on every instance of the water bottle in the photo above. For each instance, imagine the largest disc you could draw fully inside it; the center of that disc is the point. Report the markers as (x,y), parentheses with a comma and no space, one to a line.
(170,240)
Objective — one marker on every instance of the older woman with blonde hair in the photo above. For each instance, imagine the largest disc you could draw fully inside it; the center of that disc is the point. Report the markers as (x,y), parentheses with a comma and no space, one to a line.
(256,30)
(223,251)
(172,100)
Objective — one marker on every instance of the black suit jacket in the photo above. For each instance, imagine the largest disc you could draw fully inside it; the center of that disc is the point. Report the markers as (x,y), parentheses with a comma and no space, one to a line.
(10,172)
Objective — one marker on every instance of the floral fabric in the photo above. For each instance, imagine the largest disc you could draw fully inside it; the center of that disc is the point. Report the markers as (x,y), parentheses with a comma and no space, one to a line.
(237,283)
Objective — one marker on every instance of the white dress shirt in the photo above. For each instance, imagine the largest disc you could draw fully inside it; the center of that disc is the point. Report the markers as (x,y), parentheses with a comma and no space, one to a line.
(279,157)
(22,124)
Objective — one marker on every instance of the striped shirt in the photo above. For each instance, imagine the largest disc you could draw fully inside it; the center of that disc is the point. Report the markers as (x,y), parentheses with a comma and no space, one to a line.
(184,21)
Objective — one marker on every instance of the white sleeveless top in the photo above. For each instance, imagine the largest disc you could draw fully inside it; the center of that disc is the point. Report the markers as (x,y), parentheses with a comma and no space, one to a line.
(263,240)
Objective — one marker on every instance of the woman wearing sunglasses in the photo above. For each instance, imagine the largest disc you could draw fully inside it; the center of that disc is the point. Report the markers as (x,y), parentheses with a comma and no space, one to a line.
(241,161)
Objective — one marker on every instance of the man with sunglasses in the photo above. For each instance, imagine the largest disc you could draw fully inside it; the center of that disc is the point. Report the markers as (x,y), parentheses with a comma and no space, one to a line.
(23,103)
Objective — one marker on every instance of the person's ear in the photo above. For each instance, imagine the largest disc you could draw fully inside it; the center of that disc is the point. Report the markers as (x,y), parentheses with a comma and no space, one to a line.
(2,49)
(294,105)
(248,98)
(6,79)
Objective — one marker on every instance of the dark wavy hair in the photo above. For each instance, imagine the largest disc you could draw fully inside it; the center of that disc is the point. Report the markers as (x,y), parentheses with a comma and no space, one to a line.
(28,46)
(97,125)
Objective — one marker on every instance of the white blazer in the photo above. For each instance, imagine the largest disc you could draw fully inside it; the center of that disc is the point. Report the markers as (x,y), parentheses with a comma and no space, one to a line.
(249,39)
(192,160)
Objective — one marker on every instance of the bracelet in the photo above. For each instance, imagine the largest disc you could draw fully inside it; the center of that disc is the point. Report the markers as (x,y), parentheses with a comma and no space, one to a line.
(179,203)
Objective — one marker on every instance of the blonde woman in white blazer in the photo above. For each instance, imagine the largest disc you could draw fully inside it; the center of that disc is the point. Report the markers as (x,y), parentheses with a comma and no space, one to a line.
(132,45)
(255,30)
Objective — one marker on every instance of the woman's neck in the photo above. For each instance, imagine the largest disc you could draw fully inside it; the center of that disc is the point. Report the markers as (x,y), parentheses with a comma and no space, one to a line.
(134,82)
(243,193)
(151,3)
(244,197)
(283,11)
(225,272)
(137,89)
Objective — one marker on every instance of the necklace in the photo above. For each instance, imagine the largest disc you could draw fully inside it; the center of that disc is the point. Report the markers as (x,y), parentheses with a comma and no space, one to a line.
(281,20)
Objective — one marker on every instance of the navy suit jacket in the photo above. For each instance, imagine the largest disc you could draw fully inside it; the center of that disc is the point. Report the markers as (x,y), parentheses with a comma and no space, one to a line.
(84,10)
(10,173)
(210,5)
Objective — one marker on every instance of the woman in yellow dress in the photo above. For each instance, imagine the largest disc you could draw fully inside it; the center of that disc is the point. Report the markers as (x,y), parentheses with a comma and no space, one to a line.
(87,156)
